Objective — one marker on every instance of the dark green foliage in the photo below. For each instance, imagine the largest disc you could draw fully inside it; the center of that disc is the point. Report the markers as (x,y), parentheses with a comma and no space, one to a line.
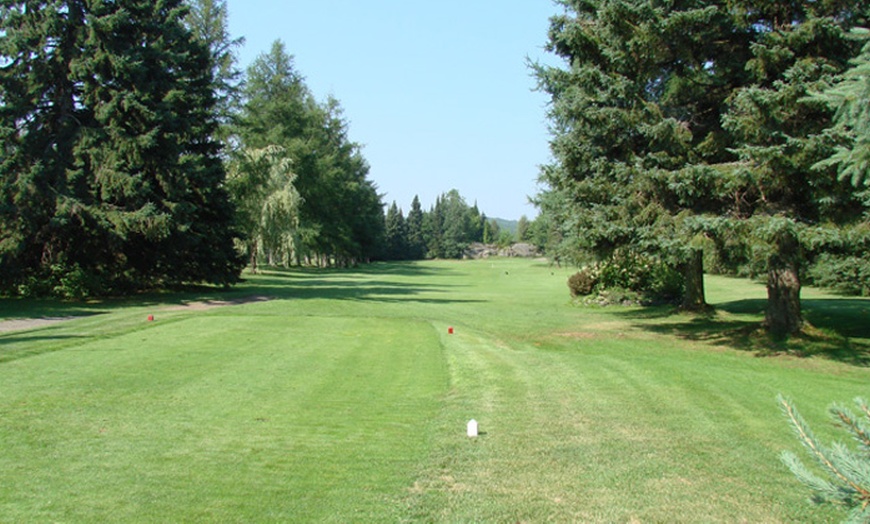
(644,277)
(111,180)
(846,471)
(416,238)
(781,131)
(690,126)
(847,274)
(642,274)
(396,235)
(636,115)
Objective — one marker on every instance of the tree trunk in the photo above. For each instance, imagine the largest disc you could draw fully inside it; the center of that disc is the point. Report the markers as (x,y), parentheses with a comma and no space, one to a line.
(253,253)
(783,317)
(693,274)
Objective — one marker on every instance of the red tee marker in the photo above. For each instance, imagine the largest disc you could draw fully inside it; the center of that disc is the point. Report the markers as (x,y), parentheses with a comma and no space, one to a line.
(450,330)
(150,318)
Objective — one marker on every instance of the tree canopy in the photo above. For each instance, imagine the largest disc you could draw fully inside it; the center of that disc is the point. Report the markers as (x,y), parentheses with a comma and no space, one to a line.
(687,126)
(110,177)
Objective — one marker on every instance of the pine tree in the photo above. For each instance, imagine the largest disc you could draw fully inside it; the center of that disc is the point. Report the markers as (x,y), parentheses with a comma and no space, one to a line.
(416,240)
(113,177)
(846,480)
(636,121)
(396,234)
(781,133)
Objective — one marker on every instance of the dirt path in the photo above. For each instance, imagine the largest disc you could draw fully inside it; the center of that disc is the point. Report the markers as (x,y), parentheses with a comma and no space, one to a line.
(30,323)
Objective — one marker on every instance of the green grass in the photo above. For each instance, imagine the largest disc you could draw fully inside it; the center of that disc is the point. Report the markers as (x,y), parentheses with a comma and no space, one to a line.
(345,399)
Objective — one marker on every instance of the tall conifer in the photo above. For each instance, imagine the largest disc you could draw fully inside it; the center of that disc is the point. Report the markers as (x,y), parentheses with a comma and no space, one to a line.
(114,179)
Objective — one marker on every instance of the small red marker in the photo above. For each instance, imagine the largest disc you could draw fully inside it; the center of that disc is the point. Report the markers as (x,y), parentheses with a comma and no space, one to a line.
(150,318)
(450,330)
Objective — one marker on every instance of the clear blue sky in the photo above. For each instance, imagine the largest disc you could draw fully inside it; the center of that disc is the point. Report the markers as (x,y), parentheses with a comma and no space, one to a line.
(437,92)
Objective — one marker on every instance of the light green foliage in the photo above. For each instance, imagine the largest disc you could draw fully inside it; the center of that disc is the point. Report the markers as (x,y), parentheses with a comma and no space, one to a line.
(261,182)
(846,479)
(341,219)
(208,20)
(849,95)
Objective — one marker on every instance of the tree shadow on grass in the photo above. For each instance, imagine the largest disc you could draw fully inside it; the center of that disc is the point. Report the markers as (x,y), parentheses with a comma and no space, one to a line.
(838,329)
(351,289)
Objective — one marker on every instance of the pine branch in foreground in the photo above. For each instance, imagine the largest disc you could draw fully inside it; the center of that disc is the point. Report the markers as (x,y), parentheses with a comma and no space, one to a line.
(847,471)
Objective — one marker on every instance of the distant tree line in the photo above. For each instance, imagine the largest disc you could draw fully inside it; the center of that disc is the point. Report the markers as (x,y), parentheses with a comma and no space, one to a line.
(726,134)
(448,228)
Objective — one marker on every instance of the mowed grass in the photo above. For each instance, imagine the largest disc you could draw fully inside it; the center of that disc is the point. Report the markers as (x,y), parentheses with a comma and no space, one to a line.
(345,399)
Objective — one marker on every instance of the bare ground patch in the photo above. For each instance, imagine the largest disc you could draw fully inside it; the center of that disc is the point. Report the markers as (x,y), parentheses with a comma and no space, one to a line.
(211,304)
(30,323)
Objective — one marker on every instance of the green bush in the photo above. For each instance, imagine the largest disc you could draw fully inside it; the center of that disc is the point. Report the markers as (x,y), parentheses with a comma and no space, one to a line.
(846,274)
(60,281)
(647,276)
(583,282)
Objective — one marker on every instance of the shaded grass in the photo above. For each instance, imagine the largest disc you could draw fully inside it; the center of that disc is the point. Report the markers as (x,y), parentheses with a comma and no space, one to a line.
(344,399)
(838,328)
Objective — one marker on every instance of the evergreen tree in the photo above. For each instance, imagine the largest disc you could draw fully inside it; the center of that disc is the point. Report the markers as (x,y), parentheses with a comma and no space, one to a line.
(416,240)
(396,234)
(208,21)
(849,96)
(433,227)
(111,177)
(676,125)
(636,119)
(847,471)
(798,48)
(523,229)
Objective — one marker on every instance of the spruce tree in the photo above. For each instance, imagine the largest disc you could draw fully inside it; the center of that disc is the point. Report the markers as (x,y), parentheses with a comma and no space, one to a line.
(845,472)
(396,234)
(416,240)
(636,121)
(113,177)
(781,133)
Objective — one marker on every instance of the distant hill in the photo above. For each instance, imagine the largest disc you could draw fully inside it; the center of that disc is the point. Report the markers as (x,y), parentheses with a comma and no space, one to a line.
(507,225)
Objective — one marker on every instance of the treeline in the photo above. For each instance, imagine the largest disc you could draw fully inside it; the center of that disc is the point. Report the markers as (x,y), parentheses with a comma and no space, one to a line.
(727,133)
(448,228)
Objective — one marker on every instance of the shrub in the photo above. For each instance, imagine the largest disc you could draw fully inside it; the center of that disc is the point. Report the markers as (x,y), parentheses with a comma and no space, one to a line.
(645,275)
(846,274)
(61,281)
(583,282)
